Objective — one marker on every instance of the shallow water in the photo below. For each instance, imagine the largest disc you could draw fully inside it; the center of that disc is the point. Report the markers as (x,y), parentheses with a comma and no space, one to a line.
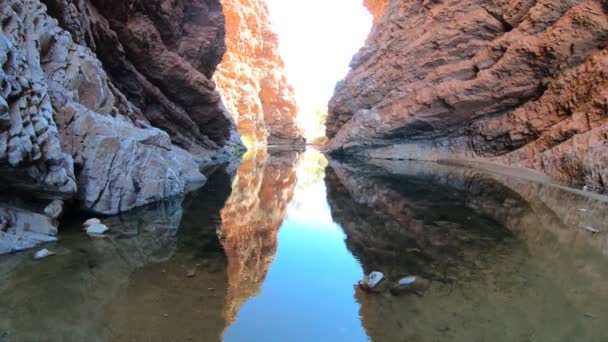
(272,251)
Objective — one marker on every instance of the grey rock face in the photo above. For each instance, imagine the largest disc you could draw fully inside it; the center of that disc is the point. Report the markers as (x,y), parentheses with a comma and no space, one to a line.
(29,139)
(21,229)
(54,210)
(67,132)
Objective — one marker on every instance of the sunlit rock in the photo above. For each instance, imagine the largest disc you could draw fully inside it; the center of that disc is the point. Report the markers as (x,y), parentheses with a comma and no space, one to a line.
(252,80)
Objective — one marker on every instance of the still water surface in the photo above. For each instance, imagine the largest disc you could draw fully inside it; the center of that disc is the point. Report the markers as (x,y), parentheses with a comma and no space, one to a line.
(270,250)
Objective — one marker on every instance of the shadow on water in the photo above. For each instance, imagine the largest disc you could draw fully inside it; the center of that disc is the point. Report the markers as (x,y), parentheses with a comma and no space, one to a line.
(270,252)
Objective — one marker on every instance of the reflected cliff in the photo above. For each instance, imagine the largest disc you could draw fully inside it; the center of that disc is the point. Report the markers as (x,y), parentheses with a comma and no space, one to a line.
(508,258)
(251,218)
(271,248)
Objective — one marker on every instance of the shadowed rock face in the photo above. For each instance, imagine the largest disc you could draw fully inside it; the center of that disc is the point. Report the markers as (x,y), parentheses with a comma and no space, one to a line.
(516,82)
(161,55)
(112,103)
(252,79)
(251,219)
(487,241)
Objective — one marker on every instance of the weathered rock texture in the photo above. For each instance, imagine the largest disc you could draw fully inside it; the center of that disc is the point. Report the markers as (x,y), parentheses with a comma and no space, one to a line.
(113,103)
(251,219)
(252,79)
(516,82)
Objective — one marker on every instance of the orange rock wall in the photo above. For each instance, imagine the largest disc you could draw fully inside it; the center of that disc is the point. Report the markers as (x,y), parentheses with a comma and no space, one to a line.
(516,82)
(251,77)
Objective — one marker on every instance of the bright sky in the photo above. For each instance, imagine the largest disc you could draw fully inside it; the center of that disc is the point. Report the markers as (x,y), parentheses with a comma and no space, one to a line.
(318,39)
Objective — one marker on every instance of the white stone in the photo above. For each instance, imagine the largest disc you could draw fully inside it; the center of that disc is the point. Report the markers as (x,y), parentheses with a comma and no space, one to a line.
(43,253)
(97,229)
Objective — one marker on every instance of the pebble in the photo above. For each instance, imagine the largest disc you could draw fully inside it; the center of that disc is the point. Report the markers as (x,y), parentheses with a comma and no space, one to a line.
(42,254)
(410,284)
(591,229)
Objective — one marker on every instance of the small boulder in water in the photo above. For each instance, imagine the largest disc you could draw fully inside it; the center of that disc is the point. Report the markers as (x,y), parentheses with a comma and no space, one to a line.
(371,282)
(410,284)
(97,229)
(91,222)
(42,254)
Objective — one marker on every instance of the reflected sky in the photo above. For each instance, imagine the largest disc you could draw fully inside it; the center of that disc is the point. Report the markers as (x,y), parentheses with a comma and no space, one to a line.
(311,279)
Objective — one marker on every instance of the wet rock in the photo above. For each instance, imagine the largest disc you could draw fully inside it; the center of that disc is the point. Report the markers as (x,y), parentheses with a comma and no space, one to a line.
(410,285)
(22,229)
(372,281)
(43,254)
(54,210)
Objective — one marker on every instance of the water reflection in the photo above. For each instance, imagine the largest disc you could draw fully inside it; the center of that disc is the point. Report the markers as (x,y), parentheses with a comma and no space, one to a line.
(129,286)
(509,258)
(251,219)
(308,293)
(270,252)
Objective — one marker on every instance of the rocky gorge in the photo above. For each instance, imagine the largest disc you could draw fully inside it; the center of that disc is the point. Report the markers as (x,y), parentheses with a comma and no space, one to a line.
(520,83)
(111,105)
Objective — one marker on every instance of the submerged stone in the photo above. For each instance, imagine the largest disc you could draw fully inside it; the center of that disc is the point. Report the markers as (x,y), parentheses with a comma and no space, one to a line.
(43,254)
(410,285)
(97,229)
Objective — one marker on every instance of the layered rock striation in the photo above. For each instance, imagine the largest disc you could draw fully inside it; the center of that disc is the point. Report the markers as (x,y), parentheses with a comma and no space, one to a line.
(110,102)
(517,82)
(252,79)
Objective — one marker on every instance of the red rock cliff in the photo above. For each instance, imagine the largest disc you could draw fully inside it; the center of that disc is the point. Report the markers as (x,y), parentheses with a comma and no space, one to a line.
(251,77)
(517,82)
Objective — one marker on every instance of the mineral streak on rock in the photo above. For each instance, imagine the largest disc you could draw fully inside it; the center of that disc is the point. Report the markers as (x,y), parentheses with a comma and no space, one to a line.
(252,79)
(515,82)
